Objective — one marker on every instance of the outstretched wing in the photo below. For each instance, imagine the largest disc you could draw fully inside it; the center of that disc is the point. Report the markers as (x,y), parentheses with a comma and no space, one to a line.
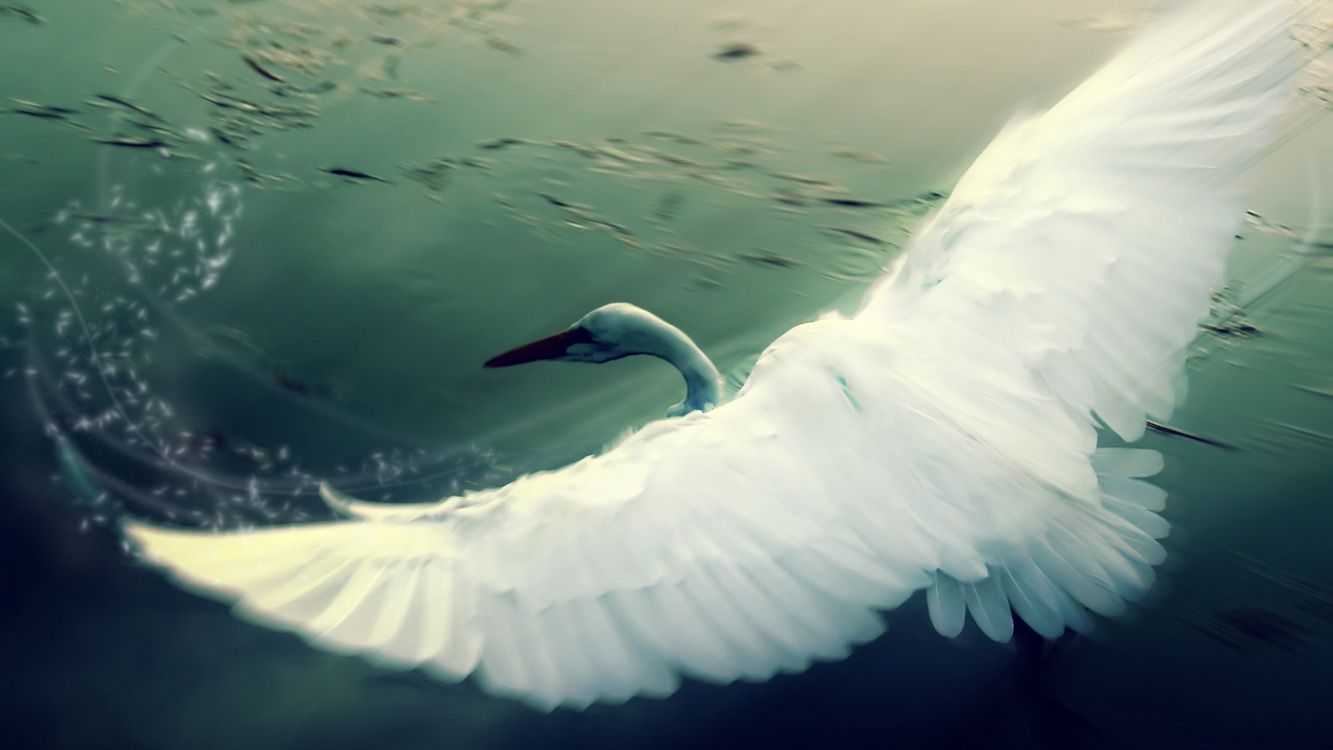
(699,546)
(941,440)
(1087,240)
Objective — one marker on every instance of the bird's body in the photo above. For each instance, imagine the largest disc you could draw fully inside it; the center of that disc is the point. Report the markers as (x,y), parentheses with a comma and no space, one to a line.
(944,438)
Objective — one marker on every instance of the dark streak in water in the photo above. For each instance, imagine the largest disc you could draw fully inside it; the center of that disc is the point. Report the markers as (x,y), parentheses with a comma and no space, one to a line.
(771,260)
(1239,328)
(554,201)
(1306,433)
(854,234)
(127,142)
(107,219)
(811,181)
(41,111)
(1325,392)
(1249,629)
(24,13)
(582,213)
(103,99)
(353,174)
(261,70)
(736,51)
(495,144)
(224,137)
(851,203)
(291,384)
(1293,585)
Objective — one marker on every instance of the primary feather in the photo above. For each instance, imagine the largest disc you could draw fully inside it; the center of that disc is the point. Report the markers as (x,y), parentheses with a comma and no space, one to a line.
(944,438)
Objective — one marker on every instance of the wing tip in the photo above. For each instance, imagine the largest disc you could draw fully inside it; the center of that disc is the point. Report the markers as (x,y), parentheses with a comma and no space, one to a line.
(144,538)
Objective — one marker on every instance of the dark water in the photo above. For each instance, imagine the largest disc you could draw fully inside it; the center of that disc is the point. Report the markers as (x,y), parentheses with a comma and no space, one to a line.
(287,232)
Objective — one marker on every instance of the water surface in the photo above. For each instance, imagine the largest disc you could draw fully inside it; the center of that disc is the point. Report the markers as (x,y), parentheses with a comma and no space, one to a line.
(295,228)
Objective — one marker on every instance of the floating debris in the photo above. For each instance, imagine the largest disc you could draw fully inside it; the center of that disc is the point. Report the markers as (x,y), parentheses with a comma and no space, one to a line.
(1267,226)
(495,144)
(224,137)
(851,203)
(261,70)
(804,180)
(353,174)
(241,119)
(229,102)
(583,214)
(1226,316)
(41,111)
(928,198)
(130,142)
(106,218)
(1162,429)
(769,259)
(388,41)
(554,201)
(744,148)
(412,96)
(586,152)
(251,174)
(857,235)
(673,159)
(619,155)
(165,131)
(298,115)
(736,51)
(101,100)
(1236,327)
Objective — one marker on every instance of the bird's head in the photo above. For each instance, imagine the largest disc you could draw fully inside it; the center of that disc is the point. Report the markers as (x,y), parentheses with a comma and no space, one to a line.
(620,330)
(610,332)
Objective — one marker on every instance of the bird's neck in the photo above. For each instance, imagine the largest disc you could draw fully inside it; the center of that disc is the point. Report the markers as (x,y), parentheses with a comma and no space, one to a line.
(703,384)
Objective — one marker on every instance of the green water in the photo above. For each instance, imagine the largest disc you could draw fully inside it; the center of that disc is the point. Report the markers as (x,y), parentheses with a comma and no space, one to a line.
(505,168)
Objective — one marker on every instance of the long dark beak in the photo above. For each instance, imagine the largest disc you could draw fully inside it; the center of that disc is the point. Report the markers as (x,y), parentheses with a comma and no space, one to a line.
(551,347)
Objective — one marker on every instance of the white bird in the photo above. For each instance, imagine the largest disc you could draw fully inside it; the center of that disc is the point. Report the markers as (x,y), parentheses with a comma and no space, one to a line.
(944,438)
